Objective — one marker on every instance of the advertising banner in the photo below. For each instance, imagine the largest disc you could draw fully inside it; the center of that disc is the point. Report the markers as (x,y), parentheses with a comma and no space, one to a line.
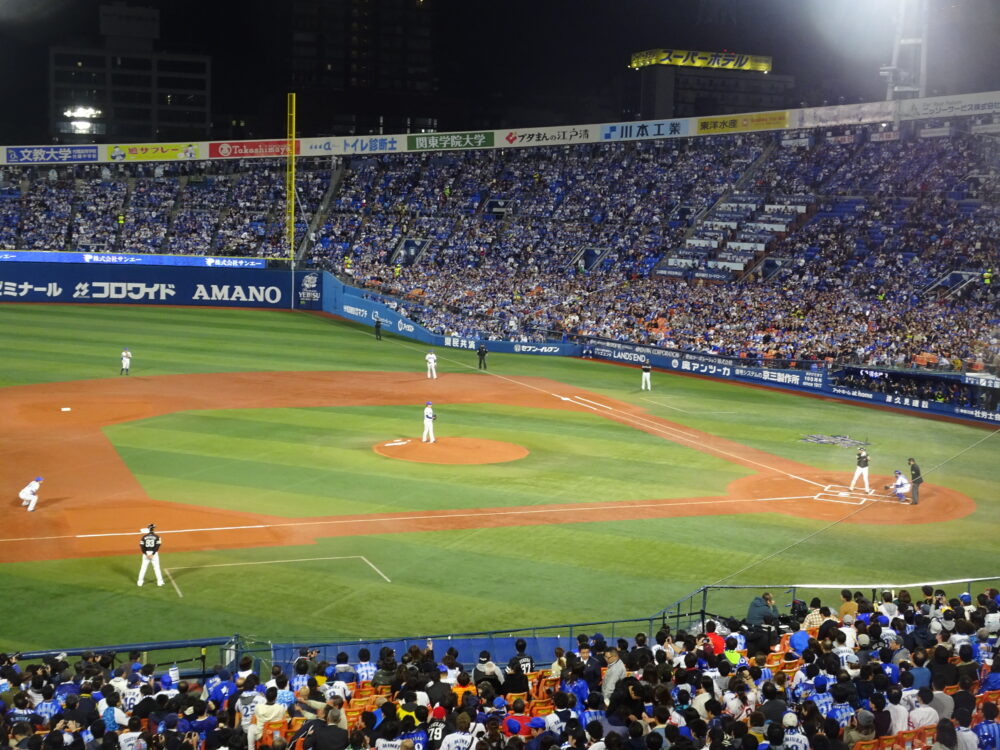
(51,154)
(630,131)
(697,59)
(886,135)
(162,285)
(154,151)
(743,123)
(450,141)
(542,136)
(843,114)
(249,149)
(950,106)
(125,259)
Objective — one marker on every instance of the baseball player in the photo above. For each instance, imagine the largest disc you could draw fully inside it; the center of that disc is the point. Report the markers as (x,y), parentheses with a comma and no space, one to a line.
(862,470)
(429,417)
(432,363)
(900,487)
(149,545)
(126,361)
(29,495)
(647,370)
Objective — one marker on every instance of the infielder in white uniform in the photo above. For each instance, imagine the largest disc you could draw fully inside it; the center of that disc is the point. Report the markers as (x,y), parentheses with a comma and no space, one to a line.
(901,486)
(126,361)
(862,471)
(432,363)
(429,418)
(149,545)
(29,495)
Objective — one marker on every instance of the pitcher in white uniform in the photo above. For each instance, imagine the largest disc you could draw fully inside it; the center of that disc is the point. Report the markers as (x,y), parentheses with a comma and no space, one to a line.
(429,418)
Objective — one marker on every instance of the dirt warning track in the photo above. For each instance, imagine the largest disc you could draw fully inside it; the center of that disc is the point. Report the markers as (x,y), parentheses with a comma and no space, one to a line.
(91,504)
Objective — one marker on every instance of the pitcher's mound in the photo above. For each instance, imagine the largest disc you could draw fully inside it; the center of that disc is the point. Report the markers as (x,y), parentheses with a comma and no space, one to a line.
(454,450)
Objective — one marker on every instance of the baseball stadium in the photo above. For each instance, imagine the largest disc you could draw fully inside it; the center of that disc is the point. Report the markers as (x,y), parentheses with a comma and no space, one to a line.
(664,370)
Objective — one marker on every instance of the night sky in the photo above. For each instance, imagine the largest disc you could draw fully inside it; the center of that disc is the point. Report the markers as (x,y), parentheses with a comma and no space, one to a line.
(545,59)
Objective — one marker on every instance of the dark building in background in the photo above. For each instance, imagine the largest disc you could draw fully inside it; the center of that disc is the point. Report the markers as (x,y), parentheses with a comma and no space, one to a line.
(358,66)
(697,84)
(117,86)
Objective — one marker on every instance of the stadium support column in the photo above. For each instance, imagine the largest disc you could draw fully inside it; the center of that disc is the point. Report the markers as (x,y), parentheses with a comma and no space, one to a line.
(906,75)
(290,190)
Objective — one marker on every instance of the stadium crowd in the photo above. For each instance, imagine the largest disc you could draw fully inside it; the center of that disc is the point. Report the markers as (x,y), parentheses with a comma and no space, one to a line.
(912,669)
(844,246)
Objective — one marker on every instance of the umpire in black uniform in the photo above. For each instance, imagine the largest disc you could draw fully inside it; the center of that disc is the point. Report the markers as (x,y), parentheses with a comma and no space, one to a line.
(916,479)
(482,351)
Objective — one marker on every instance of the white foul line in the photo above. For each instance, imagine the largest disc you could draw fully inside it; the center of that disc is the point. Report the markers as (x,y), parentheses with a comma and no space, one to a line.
(668,406)
(389,519)
(595,403)
(372,566)
(265,562)
(176,587)
(270,562)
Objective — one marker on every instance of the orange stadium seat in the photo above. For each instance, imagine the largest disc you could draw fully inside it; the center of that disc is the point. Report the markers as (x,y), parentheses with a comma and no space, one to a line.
(271,731)
(866,745)
(908,739)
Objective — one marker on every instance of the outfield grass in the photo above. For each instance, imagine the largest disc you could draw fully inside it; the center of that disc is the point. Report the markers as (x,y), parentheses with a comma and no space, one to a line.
(301,462)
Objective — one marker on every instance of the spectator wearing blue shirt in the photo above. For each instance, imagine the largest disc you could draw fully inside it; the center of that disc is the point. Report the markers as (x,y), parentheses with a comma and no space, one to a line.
(821,697)
(988,731)
(48,707)
(223,690)
(285,696)
(921,674)
(799,640)
(992,680)
(840,710)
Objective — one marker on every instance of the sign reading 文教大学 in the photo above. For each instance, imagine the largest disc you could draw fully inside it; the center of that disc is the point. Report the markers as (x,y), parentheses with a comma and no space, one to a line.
(448,141)
(687,58)
(743,123)
(153,151)
(50,154)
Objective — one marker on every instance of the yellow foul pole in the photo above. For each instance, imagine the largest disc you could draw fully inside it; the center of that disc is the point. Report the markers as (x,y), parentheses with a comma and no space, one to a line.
(290,188)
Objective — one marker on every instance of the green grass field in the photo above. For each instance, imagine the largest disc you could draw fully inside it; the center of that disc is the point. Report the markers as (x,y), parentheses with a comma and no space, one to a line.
(310,462)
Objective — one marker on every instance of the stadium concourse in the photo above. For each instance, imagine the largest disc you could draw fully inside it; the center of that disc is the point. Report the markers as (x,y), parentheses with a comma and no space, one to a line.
(868,251)
(913,669)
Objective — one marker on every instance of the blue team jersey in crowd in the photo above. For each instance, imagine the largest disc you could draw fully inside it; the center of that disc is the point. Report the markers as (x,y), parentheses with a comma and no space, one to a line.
(842,712)
(988,733)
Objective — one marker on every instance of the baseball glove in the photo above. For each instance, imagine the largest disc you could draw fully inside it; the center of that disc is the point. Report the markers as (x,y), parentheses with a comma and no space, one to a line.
(887,486)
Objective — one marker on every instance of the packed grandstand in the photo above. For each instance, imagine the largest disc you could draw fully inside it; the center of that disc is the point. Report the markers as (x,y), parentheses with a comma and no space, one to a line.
(854,244)
(907,670)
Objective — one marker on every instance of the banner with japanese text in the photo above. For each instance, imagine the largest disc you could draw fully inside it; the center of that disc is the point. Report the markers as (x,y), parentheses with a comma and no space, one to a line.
(155,151)
(687,58)
(743,123)
(158,285)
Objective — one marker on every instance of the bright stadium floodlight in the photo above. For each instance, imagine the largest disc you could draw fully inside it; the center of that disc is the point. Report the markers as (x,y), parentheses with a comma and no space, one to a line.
(82,126)
(82,112)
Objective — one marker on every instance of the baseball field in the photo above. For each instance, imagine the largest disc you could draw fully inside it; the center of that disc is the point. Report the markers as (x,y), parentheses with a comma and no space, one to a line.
(279,455)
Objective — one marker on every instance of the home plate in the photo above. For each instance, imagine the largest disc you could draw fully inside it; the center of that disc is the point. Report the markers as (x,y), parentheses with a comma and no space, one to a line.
(65,408)
(395,443)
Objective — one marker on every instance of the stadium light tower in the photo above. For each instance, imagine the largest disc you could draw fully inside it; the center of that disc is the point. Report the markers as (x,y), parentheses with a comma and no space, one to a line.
(906,76)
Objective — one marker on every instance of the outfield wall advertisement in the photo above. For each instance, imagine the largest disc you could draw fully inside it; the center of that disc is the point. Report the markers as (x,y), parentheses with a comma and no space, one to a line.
(315,290)
(811,117)
(158,285)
